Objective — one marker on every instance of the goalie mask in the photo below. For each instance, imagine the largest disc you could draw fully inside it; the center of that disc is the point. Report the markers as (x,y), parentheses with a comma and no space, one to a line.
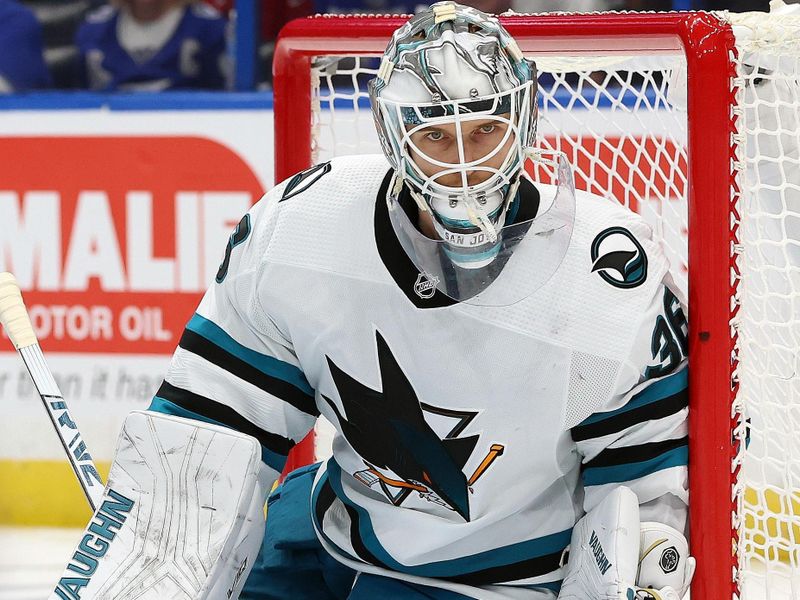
(455,108)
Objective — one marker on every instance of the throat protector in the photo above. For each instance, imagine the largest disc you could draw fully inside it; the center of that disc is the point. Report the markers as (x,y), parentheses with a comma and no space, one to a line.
(524,256)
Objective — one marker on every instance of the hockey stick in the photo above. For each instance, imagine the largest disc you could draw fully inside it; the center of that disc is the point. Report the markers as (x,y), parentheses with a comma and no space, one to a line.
(17,324)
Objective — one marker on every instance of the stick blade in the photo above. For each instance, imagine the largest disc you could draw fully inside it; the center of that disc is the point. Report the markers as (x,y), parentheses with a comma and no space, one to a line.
(13,315)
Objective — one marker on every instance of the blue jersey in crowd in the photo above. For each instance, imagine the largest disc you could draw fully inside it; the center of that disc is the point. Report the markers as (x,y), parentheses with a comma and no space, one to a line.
(369,6)
(21,62)
(193,57)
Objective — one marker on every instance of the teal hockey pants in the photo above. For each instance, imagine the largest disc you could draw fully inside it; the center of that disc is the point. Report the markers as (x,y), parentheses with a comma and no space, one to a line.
(293,565)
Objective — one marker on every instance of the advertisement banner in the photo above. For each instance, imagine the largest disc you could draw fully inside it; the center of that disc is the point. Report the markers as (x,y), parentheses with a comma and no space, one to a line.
(113,226)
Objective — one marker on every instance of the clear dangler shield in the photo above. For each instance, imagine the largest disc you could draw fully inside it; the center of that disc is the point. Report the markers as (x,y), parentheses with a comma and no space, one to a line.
(524,257)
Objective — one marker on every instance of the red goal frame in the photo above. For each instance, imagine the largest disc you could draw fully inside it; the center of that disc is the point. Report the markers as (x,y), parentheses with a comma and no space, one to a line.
(708,45)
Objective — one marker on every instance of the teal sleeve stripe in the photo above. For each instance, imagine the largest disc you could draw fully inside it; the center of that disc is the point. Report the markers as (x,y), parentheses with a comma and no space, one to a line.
(269,365)
(268,457)
(663,388)
(497,557)
(677,457)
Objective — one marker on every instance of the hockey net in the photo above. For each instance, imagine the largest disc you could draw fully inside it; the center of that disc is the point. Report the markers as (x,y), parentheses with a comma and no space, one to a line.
(692,120)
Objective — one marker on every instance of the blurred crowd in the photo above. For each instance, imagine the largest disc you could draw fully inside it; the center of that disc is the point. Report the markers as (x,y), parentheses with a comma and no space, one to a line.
(154,45)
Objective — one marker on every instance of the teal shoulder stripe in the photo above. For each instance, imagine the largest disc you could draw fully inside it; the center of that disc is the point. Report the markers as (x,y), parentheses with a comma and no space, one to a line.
(498,557)
(677,457)
(663,388)
(268,365)
(160,405)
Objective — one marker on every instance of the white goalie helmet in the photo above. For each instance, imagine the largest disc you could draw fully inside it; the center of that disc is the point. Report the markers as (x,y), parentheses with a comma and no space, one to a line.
(454,64)
(450,71)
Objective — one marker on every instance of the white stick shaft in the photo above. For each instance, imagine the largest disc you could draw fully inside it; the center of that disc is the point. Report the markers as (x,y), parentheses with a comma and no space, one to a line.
(15,320)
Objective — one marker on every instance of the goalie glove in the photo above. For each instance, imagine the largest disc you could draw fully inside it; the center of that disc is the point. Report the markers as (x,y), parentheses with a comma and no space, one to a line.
(605,561)
(664,560)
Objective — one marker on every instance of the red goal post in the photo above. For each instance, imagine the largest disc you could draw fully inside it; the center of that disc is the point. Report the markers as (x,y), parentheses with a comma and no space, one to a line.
(712,191)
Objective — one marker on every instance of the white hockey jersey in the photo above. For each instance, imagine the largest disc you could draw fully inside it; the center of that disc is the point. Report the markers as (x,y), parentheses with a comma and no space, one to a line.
(469,439)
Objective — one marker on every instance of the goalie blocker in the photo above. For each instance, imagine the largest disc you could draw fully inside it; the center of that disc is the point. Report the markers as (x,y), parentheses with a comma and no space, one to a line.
(182,515)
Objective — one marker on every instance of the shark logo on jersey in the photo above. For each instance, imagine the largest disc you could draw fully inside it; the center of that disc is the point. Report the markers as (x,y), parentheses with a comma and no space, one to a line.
(304,180)
(402,452)
(619,258)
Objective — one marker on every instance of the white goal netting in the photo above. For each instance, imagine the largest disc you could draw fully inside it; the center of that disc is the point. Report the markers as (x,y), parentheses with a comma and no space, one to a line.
(622,121)
(768,321)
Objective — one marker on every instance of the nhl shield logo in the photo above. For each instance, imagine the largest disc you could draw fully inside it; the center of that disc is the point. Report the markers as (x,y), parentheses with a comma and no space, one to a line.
(425,287)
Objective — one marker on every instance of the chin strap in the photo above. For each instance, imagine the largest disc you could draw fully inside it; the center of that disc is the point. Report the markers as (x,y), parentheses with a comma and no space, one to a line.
(475,212)
(478,217)
(537,155)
